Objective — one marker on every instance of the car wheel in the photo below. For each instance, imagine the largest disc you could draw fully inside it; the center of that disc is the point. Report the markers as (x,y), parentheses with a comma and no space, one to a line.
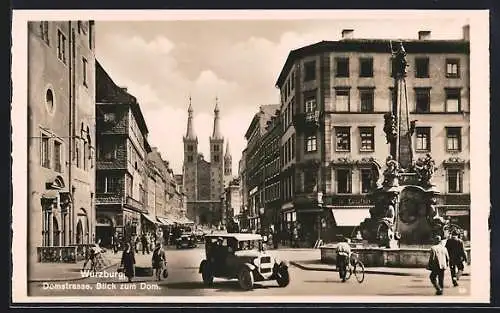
(206,275)
(283,277)
(245,278)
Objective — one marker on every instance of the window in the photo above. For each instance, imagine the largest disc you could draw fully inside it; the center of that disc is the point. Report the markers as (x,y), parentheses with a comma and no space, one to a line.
(85,155)
(309,71)
(366,96)
(343,138)
(342,100)
(452,100)
(61,46)
(423,142)
(367,138)
(49,100)
(421,67)
(111,184)
(109,117)
(310,105)
(292,81)
(454,179)
(366,180)
(366,67)
(422,100)
(344,181)
(394,66)
(453,138)
(453,68)
(190,148)
(216,147)
(216,158)
(311,143)
(107,151)
(342,67)
(57,157)
(77,154)
(45,151)
(84,71)
(44,31)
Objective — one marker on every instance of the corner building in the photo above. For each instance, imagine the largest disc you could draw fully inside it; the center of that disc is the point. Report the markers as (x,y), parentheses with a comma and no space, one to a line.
(61,138)
(334,95)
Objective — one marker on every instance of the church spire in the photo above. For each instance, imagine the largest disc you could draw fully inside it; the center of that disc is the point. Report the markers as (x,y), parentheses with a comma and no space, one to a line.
(228,154)
(216,133)
(189,131)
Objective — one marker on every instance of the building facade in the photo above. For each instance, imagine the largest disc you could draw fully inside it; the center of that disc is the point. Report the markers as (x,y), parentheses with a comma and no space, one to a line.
(242,175)
(61,137)
(203,181)
(121,179)
(231,205)
(337,93)
(255,167)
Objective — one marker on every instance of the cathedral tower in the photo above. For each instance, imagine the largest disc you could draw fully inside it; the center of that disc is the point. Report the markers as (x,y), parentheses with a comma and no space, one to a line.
(228,166)
(189,170)
(216,158)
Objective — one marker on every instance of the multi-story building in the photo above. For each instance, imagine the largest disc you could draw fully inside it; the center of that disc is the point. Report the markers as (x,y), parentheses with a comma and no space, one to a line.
(271,142)
(121,154)
(334,97)
(203,181)
(61,136)
(231,205)
(255,166)
(242,175)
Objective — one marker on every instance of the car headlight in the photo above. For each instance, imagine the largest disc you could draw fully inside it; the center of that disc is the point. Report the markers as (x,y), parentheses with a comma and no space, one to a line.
(256,262)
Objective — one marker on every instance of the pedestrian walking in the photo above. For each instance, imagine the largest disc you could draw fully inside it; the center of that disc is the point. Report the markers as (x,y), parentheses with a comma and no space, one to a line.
(343,253)
(456,251)
(438,262)
(128,262)
(145,244)
(158,261)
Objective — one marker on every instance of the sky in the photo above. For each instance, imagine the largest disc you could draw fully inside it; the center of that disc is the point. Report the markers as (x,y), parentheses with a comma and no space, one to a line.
(163,63)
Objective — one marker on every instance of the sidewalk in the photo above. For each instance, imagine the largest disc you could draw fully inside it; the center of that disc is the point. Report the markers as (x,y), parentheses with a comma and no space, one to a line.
(316,265)
(44,272)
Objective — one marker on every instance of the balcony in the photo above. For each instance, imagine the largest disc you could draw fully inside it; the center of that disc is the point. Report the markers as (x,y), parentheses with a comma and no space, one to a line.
(108,198)
(134,204)
(308,121)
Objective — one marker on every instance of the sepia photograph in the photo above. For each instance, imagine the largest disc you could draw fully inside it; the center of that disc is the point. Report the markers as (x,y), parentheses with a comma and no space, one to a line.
(250,156)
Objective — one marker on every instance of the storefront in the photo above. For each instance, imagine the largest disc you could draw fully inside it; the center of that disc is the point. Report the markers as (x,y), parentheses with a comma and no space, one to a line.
(344,214)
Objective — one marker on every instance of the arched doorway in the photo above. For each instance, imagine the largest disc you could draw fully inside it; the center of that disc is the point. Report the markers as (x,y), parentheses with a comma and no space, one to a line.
(79,232)
(56,240)
(104,230)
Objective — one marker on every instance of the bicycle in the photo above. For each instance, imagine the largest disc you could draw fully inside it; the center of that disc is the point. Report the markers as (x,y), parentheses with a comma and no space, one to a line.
(357,267)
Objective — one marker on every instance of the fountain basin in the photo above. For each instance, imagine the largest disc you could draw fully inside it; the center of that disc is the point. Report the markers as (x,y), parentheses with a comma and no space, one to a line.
(407,257)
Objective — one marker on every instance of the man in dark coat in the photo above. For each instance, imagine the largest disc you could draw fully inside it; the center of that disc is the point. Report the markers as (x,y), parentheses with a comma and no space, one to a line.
(456,250)
(128,262)
(158,260)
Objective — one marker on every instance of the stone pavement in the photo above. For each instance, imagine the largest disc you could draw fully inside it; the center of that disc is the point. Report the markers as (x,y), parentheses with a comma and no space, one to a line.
(316,265)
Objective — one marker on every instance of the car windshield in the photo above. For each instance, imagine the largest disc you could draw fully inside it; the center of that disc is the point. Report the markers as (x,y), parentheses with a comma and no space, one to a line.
(249,245)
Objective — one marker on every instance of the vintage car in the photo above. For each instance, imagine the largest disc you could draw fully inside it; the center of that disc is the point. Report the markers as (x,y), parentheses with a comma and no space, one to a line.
(241,256)
(186,240)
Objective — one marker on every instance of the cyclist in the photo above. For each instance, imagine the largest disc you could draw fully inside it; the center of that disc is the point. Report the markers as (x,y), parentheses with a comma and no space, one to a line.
(343,252)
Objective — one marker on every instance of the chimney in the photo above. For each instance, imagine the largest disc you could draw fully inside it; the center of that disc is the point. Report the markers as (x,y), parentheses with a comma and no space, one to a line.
(424,35)
(347,33)
(466,32)
(124,89)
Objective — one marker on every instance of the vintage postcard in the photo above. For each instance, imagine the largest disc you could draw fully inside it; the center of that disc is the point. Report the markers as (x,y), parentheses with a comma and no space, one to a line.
(250,156)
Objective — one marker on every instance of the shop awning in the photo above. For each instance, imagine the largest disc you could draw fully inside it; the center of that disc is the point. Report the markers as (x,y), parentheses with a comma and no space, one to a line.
(164,221)
(350,217)
(149,218)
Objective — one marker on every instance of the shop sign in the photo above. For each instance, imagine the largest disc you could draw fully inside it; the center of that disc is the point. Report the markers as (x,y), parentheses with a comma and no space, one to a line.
(348,200)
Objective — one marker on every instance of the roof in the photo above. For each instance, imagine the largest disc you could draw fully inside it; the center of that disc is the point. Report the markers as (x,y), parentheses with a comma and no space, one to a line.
(237,236)
(372,45)
(107,92)
(265,113)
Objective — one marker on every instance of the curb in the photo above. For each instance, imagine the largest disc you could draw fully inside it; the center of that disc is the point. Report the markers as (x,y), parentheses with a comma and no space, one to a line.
(367,270)
(38,280)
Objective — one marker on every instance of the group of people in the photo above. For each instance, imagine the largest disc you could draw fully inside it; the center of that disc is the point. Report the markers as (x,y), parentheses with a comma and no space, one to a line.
(158,261)
(444,254)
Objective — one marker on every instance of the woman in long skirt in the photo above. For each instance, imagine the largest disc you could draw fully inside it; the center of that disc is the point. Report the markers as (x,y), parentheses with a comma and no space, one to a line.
(128,262)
